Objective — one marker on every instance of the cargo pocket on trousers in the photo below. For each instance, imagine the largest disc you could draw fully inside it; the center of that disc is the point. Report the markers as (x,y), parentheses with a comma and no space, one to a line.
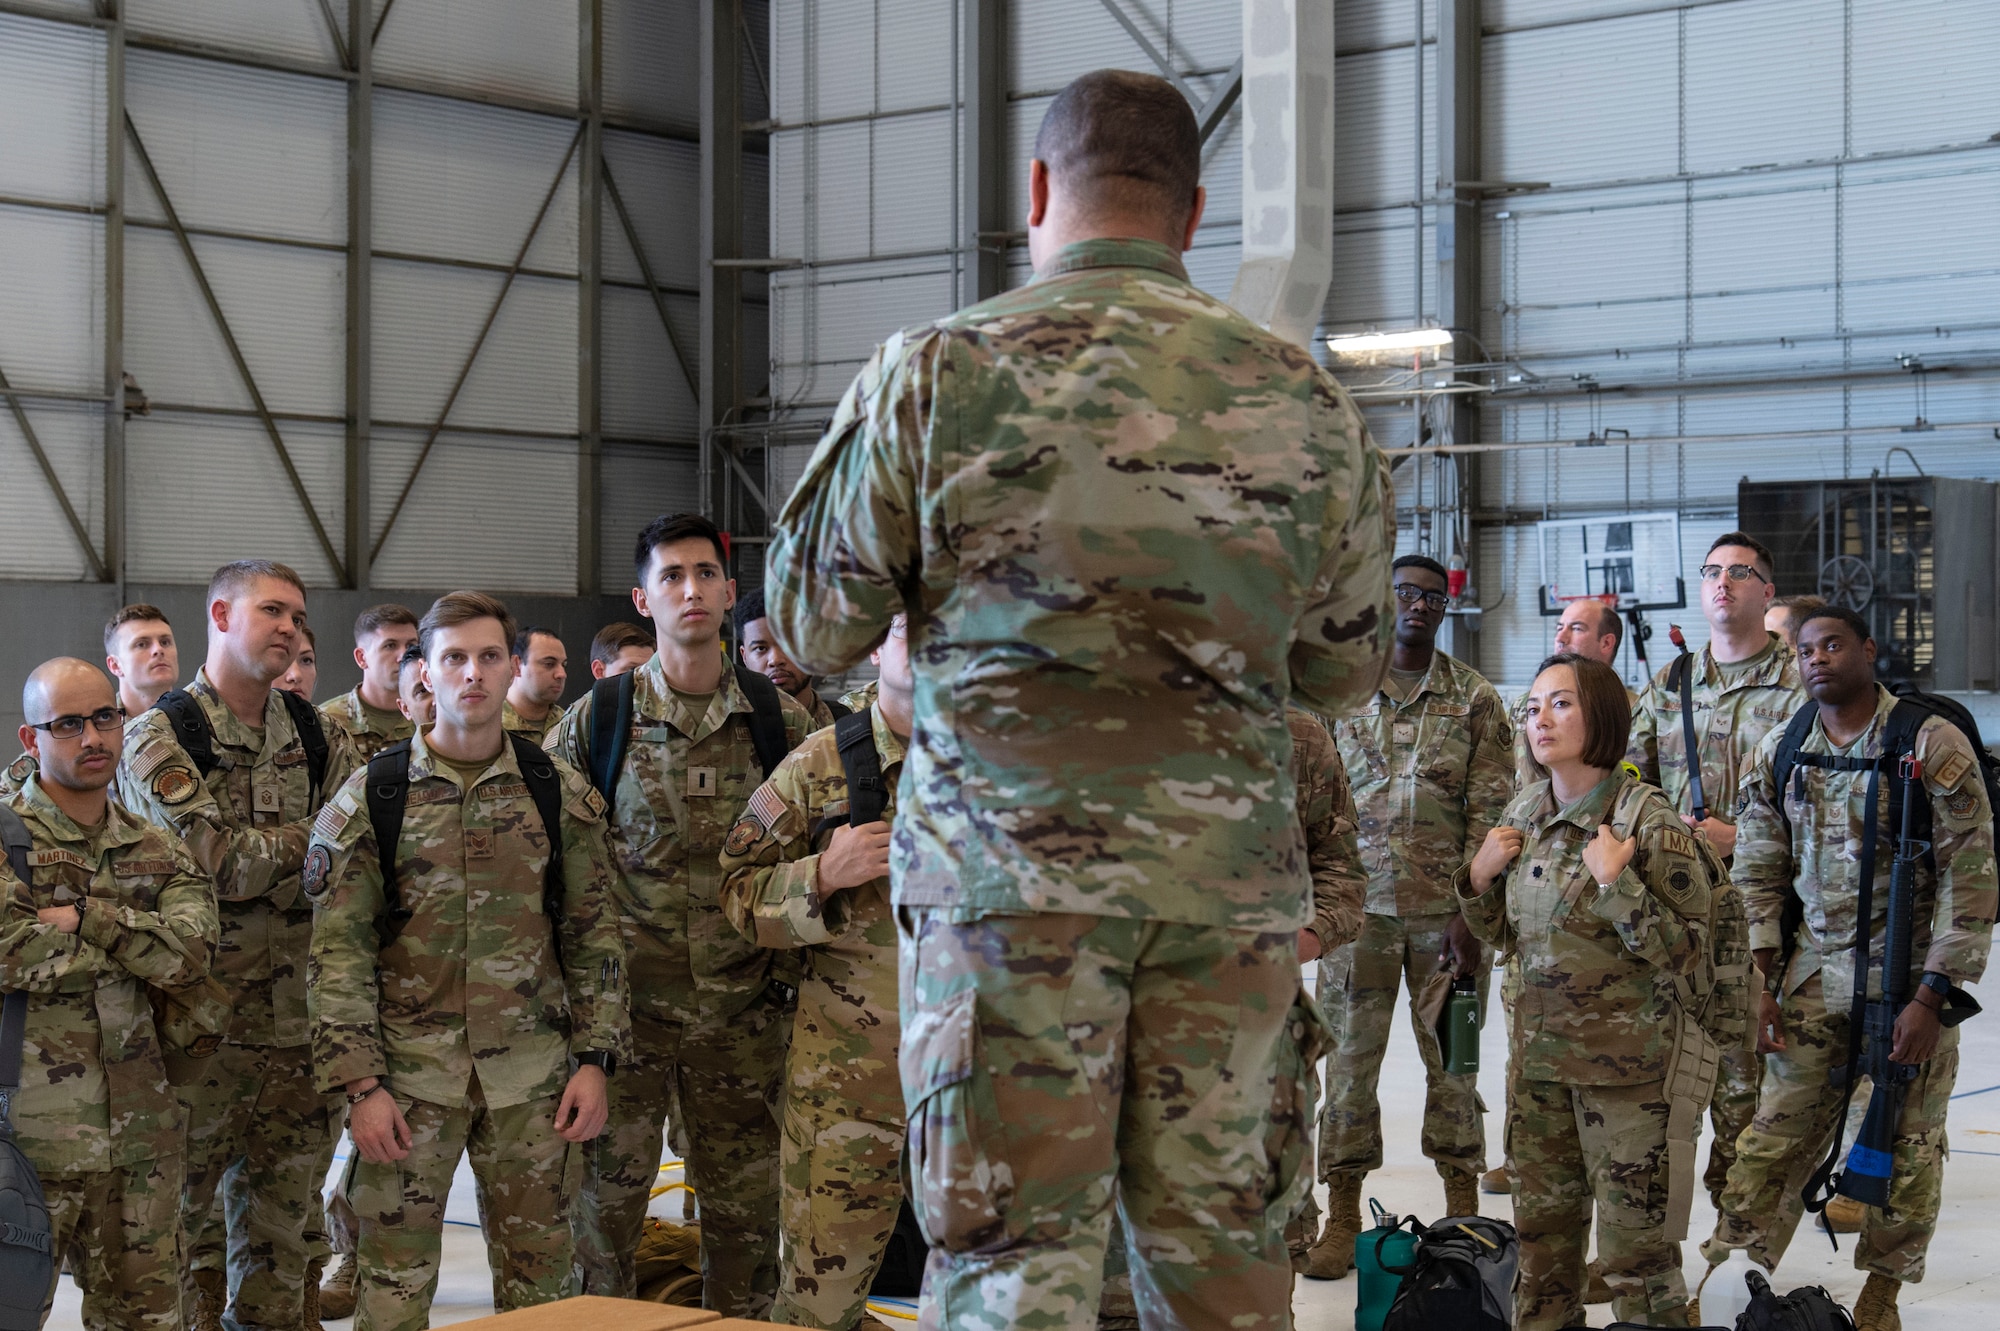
(961,1178)
(1295,1106)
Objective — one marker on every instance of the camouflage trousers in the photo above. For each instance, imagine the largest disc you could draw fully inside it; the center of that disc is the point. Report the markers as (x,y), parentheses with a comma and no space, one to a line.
(1358,987)
(1729,1113)
(1575,1147)
(1797,1113)
(843,1186)
(120,1230)
(725,1077)
(1062,1069)
(525,1179)
(260,1133)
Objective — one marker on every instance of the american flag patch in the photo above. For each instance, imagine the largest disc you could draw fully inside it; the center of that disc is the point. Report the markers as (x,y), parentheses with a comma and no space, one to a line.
(766,808)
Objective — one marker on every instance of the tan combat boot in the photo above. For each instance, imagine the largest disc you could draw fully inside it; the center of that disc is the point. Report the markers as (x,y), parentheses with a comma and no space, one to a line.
(309,1316)
(1333,1256)
(1461,1191)
(1594,1289)
(1497,1181)
(211,1292)
(1843,1215)
(336,1296)
(1875,1310)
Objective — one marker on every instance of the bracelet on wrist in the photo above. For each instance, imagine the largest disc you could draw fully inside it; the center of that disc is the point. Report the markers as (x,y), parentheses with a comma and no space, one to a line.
(356,1097)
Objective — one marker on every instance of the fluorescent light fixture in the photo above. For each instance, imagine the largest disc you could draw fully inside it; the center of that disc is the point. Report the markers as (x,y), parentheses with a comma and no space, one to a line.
(1415,339)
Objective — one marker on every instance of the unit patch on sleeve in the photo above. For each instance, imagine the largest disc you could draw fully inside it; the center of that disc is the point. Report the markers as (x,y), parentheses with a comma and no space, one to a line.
(313,877)
(176,785)
(743,836)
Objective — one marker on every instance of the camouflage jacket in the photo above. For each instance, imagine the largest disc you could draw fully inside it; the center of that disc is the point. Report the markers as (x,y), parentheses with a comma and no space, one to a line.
(1430,776)
(684,783)
(1326,813)
(470,985)
(844,1039)
(371,728)
(1812,846)
(537,731)
(856,699)
(94,1092)
(247,825)
(1596,1005)
(1728,726)
(1128,526)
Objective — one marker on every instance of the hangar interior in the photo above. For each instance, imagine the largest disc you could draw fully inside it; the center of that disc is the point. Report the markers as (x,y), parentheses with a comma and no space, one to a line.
(421,294)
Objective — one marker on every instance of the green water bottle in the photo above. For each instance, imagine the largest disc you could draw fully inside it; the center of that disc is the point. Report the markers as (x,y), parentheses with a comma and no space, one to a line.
(1387,1245)
(1460,1037)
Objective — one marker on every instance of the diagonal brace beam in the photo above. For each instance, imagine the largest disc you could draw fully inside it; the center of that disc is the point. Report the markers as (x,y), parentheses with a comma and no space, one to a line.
(97,565)
(1208,116)
(646,272)
(1160,62)
(472,357)
(235,351)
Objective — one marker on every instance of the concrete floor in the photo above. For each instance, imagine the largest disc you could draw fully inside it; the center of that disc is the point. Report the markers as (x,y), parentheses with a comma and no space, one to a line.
(1961,1291)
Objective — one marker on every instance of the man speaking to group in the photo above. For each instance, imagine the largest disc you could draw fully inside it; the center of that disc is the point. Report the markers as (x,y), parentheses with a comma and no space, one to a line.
(1127,525)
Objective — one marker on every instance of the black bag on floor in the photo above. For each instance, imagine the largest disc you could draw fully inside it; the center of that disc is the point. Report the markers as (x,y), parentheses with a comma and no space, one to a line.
(901,1275)
(1461,1276)
(27,1247)
(1807,1308)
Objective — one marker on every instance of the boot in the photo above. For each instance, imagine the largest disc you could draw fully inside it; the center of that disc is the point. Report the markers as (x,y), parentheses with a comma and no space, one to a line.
(1333,1256)
(1461,1191)
(1496,1181)
(1594,1289)
(336,1296)
(309,1315)
(1843,1215)
(1875,1310)
(211,1293)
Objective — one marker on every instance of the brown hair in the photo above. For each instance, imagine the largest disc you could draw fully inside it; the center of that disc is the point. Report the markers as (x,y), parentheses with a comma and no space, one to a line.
(231,579)
(136,613)
(1798,605)
(378,617)
(1750,543)
(455,608)
(1121,140)
(615,638)
(1607,711)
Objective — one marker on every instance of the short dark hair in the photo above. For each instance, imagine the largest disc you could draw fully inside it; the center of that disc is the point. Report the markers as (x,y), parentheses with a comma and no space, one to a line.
(669,528)
(312,639)
(230,580)
(136,613)
(1841,613)
(1120,140)
(411,655)
(749,609)
(455,608)
(615,638)
(524,637)
(378,617)
(1748,542)
(1607,708)
(1424,562)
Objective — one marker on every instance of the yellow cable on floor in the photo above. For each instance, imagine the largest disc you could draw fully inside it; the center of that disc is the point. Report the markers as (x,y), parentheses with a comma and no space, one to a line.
(666,1188)
(897,1313)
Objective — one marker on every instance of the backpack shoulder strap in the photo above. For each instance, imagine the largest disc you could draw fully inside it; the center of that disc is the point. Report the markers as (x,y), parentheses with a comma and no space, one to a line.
(538,769)
(861,762)
(191,728)
(767,719)
(312,737)
(14,833)
(1786,759)
(1690,744)
(13,1032)
(839,709)
(610,731)
(388,795)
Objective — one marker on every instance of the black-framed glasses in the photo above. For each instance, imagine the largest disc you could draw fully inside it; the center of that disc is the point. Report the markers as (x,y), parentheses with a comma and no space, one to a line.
(1736,572)
(69,727)
(1409,594)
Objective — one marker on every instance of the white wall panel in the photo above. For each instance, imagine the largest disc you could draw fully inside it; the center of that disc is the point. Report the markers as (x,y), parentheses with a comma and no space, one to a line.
(519,47)
(1595,102)
(172,345)
(1763,83)
(51,111)
(39,541)
(427,318)
(291,29)
(488,513)
(51,280)
(907,153)
(645,394)
(640,484)
(660,182)
(1923,73)
(652,63)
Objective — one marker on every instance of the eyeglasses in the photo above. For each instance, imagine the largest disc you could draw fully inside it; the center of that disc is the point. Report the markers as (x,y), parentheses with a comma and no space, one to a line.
(1409,594)
(1737,572)
(69,727)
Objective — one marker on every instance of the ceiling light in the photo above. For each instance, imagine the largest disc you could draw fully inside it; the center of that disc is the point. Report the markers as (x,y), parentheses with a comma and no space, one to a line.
(1415,339)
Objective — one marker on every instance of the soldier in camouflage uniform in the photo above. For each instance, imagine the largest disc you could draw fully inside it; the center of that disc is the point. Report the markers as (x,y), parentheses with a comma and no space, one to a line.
(117,909)
(1126,525)
(1806,839)
(533,707)
(370,712)
(254,1107)
(796,876)
(1745,683)
(1594,882)
(489,1005)
(141,653)
(856,699)
(762,654)
(1431,761)
(706,1019)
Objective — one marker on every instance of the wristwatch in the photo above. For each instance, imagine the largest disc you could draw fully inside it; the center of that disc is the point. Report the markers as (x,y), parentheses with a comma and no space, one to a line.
(1940,982)
(599,1058)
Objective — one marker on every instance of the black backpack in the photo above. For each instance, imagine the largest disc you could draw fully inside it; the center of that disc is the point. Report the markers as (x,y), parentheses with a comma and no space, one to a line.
(611,727)
(27,1241)
(389,796)
(197,737)
(901,1275)
(1461,1276)
(1807,1308)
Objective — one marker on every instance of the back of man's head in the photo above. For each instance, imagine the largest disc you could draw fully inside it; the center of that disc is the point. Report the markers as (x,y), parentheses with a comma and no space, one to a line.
(1116,142)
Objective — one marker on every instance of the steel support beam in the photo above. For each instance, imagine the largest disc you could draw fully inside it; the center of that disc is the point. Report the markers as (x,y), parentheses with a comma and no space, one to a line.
(590,298)
(360,295)
(982,151)
(114,295)
(27,428)
(1458,255)
(650,282)
(720,369)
